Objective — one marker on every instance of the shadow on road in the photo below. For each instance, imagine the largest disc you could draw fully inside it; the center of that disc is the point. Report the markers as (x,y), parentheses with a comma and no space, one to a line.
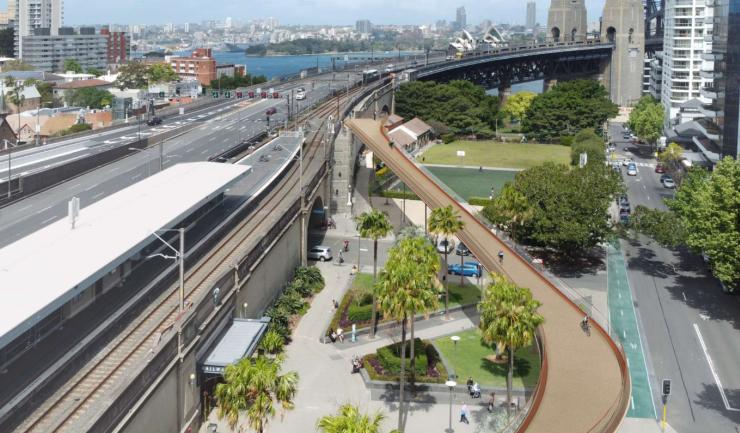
(710,398)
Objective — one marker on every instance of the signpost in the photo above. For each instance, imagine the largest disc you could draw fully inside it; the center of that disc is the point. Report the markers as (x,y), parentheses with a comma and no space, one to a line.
(461,154)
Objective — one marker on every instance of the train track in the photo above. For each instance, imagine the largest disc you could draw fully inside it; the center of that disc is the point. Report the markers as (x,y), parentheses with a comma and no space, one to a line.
(139,341)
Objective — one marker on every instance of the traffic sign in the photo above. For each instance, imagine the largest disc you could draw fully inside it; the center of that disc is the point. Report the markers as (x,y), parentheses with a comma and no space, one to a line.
(263,95)
(214,94)
(161,94)
(239,94)
(251,94)
(275,95)
(227,94)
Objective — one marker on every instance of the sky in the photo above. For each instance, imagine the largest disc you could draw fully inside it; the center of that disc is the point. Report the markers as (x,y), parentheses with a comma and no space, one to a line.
(77,12)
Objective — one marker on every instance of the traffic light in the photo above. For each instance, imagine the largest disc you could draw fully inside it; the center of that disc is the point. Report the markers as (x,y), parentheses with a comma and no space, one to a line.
(161,94)
(666,387)
(239,94)
(214,94)
(227,94)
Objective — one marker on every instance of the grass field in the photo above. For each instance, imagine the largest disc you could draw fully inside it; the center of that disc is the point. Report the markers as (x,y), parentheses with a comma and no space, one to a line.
(467,182)
(470,358)
(495,154)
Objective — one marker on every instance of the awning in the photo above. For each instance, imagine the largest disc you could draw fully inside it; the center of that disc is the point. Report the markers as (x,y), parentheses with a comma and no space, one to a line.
(239,341)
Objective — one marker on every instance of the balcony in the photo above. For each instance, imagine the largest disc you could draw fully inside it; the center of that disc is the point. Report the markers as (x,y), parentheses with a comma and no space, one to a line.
(708,128)
(712,56)
(711,111)
(711,92)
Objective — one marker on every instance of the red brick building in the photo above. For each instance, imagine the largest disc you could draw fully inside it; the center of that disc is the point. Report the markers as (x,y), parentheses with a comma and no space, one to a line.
(200,66)
(118,46)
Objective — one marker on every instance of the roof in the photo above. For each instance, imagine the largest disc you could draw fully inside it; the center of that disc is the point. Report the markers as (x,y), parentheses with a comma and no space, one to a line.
(393,119)
(47,268)
(417,126)
(37,75)
(81,84)
(239,341)
(401,137)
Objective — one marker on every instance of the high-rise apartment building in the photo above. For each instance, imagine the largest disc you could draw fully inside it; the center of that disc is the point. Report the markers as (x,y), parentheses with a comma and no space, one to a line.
(722,122)
(688,28)
(118,46)
(31,15)
(531,14)
(364,26)
(47,52)
(461,20)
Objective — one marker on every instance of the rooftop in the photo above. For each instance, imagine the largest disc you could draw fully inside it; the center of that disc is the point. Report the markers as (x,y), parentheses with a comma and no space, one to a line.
(47,268)
(81,84)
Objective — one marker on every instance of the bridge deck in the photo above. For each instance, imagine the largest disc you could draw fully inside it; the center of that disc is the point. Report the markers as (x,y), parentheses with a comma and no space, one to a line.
(584,385)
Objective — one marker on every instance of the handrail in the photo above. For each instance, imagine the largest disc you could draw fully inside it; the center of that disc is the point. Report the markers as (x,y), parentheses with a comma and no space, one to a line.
(622,395)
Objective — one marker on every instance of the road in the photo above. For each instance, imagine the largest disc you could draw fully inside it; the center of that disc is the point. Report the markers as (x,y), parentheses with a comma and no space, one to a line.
(210,135)
(684,317)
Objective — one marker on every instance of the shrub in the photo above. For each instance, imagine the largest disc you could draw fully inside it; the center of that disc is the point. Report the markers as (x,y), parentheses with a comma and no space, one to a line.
(400,194)
(432,356)
(273,342)
(281,330)
(364,298)
(359,313)
(448,138)
(301,287)
(311,276)
(385,364)
(278,315)
(479,201)
(291,301)
(566,140)
(390,357)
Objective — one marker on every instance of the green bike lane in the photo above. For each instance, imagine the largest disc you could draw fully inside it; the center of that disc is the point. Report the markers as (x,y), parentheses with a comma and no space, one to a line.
(624,326)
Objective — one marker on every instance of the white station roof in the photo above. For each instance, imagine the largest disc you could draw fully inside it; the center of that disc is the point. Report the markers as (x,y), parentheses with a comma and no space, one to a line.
(44,270)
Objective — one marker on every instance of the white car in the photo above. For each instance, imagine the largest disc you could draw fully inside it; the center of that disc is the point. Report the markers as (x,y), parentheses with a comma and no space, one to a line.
(631,170)
(300,94)
(445,246)
(389,69)
(669,183)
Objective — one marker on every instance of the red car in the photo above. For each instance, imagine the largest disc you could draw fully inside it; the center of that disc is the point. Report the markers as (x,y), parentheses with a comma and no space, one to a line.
(270,111)
(659,168)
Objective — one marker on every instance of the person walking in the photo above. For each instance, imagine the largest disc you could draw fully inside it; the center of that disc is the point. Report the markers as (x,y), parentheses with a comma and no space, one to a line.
(501,257)
(464,414)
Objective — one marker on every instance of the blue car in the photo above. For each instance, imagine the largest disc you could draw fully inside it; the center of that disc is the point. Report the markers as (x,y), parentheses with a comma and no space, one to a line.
(469,269)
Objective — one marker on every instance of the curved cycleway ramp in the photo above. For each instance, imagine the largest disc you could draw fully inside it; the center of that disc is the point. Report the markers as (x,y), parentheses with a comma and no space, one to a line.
(584,385)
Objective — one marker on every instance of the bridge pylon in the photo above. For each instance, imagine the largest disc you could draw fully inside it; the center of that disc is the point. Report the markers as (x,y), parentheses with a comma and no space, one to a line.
(566,20)
(623,24)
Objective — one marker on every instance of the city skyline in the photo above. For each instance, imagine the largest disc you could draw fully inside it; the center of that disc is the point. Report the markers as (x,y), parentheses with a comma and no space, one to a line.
(291,12)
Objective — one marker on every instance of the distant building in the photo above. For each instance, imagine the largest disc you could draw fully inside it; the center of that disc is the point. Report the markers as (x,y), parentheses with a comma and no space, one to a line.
(47,52)
(117,46)
(230,70)
(61,89)
(364,26)
(34,15)
(531,14)
(461,18)
(199,66)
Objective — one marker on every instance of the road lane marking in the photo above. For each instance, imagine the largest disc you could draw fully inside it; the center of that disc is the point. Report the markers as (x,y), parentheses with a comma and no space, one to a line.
(189,150)
(98,195)
(44,209)
(714,373)
(684,296)
(23,208)
(137,176)
(48,220)
(213,138)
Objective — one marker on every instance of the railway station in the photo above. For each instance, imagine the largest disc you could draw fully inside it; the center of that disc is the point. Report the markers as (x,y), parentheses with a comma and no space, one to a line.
(57,272)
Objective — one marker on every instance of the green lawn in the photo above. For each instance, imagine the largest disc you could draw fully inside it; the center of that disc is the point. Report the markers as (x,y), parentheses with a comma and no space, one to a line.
(469,358)
(363,282)
(469,183)
(460,295)
(495,154)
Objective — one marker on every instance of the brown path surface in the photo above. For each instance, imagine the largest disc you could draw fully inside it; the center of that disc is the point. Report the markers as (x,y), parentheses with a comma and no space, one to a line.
(585,386)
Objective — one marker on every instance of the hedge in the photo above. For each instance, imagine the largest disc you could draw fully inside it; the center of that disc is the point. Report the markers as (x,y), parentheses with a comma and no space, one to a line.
(399,194)
(479,201)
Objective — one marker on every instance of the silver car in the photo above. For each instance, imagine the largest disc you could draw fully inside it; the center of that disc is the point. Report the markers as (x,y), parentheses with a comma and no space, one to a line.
(321,253)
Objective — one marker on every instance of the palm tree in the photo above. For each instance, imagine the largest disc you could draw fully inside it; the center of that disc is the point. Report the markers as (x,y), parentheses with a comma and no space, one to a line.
(410,268)
(351,420)
(374,225)
(253,386)
(508,317)
(446,222)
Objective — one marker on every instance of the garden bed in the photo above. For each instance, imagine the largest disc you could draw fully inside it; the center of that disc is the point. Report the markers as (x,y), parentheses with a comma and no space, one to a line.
(385,363)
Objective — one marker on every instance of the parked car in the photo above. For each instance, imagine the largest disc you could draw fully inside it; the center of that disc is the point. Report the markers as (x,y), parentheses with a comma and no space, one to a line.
(664,177)
(623,201)
(624,218)
(445,246)
(627,161)
(468,269)
(462,250)
(321,253)
(624,211)
(616,166)
(154,121)
(625,207)
(632,170)
(659,168)
(270,111)
(669,183)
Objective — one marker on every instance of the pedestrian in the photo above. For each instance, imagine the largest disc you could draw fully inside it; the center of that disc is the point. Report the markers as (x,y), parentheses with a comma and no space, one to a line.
(335,304)
(492,402)
(501,257)
(464,414)
(340,335)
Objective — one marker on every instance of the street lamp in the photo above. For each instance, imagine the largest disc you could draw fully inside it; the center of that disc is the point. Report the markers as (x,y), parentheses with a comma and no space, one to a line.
(451,384)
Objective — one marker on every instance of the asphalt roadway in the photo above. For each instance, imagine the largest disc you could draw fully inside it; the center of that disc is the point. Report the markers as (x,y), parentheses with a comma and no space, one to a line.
(212,134)
(690,328)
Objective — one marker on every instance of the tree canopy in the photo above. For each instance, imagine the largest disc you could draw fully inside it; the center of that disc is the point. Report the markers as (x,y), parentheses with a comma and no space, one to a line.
(17,65)
(556,207)
(72,65)
(137,75)
(647,118)
(518,104)
(708,207)
(161,73)
(567,108)
(88,97)
(228,83)
(589,142)
(461,106)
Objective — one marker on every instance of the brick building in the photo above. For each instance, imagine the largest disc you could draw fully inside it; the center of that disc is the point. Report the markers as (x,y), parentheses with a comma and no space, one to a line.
(199,66)
(118,46)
